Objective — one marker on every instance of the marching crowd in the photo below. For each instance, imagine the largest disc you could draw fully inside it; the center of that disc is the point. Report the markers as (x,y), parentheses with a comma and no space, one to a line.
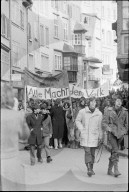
(79,123)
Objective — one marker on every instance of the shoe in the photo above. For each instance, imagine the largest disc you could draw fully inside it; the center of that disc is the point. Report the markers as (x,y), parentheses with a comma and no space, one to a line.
(56,148)
(60,146)
(110,166)
(49,159)
(32,163)
(89,171)
(50,147)
(40,160)
(93,173)
(116,172)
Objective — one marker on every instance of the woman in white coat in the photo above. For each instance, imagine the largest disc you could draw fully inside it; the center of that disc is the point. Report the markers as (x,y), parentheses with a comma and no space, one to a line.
(88,122)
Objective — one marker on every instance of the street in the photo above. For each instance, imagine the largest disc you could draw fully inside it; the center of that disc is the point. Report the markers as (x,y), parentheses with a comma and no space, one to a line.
(67,172)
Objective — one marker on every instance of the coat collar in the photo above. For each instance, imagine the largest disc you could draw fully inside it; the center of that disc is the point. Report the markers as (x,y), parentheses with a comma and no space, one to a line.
(96,112)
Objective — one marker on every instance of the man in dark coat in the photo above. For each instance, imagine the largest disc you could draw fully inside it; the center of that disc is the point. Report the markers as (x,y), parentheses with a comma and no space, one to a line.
(35,139)
(57,116)
(115,122)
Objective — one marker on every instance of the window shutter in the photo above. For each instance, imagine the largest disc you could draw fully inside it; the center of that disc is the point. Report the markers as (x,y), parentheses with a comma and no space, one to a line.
(8,28)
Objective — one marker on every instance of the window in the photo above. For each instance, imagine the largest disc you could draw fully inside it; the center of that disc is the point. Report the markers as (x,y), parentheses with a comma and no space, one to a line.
(78,39)
(22,19)
(126,44)
(108,15)
(54,4)
(98,28)
(5,26)
(29,32)
(89,43)
(65,30)
(65,6)
(42,35)
(72,75)
(44,62)
(103,36)
(114,14)
(17,14)
(47,36)
(15,54)
(55,26)
(5,65)
(35,30)
(86,20)
(67,63)
(125,15)
(102,11)
(58,62)
(109,38)
(31,62)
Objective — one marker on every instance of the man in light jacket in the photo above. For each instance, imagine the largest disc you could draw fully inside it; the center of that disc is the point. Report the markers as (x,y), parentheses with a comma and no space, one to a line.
(88,122)
(115,122)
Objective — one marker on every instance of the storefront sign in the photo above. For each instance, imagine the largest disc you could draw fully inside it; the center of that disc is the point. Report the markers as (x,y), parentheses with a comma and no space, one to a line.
(75,92)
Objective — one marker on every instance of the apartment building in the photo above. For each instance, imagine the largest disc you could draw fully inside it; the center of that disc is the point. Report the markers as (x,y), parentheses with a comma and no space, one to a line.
(56,21)
(122,31)
(97,17)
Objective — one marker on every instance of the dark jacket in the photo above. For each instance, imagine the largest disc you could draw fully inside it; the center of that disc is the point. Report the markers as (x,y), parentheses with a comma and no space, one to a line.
(35,124)
(57,115)
(47,126)
(117,123)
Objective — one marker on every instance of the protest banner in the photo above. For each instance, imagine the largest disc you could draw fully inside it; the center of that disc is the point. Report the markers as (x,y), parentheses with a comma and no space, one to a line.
(75,92)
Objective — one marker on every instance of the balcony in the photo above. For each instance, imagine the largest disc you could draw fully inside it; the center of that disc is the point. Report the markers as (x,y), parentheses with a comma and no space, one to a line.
(27,3)
(80,49)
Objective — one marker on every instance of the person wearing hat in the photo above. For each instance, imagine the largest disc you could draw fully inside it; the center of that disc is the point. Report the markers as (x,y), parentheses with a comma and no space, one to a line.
(88,121)
(115,123)
(34,121)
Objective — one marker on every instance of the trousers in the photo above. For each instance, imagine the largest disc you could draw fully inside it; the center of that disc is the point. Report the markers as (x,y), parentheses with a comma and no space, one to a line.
(45,145)
(89,154)
(114,142)
(32,152)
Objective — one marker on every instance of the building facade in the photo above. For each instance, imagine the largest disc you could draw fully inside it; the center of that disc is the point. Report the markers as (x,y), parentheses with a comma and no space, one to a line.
(123,40)
(98,17)
(5,41)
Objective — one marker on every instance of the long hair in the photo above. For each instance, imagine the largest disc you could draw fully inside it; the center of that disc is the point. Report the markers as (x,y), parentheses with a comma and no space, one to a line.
(7,96)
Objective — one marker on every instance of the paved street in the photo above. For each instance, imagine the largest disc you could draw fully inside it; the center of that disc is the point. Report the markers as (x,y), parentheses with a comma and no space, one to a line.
(67,172)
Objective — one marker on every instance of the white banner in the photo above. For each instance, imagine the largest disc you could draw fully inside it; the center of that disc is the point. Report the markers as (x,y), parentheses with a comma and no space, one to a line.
(75,92)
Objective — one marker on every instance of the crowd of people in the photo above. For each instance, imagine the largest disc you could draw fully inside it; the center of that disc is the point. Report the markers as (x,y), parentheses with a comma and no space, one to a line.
(63,113)
(57,123)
